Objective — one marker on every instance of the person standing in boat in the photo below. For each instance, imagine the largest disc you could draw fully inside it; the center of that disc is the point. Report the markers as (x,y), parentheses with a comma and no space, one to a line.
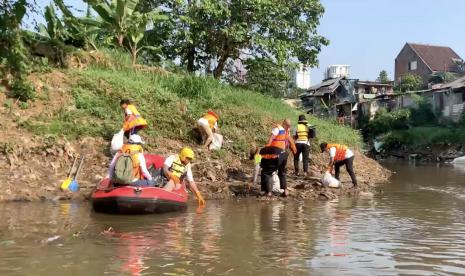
(133,121)
(128,166)
(177,168)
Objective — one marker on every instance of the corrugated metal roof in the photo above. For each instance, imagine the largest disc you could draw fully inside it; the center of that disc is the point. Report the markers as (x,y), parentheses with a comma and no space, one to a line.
(325,87)
(456,84)
(325,83)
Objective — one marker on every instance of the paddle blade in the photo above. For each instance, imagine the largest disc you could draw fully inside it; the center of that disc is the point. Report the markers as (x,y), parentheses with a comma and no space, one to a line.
(65,185)
(73,186)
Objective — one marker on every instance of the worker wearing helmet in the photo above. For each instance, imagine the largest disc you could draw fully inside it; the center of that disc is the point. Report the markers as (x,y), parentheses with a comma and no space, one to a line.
(177,168)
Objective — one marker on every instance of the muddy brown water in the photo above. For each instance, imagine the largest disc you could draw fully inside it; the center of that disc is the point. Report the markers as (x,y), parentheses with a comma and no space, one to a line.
(415,226)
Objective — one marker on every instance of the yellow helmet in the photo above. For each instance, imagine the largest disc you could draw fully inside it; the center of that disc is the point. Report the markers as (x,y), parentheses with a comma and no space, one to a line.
(186,153)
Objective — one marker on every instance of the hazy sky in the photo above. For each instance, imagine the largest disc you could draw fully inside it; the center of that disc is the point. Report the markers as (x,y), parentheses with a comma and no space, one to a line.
(368,34)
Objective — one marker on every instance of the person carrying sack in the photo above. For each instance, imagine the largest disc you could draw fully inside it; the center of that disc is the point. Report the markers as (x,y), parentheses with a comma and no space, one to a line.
(340,155)
(281,140)
(208,125)
(133,121)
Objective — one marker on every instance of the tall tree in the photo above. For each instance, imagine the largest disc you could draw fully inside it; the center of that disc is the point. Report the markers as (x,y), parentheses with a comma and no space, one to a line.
(383,77)
(265,76)
(411,82)
(13,54)
(211,32)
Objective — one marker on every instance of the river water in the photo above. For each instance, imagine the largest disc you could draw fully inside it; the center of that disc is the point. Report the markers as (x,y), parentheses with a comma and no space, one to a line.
(415,226)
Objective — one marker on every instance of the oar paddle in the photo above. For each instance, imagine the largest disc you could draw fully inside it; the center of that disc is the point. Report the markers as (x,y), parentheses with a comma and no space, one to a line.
(74,185)
(65,184)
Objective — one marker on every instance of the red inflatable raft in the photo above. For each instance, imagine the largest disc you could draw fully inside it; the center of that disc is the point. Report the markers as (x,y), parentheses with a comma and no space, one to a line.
(138,200)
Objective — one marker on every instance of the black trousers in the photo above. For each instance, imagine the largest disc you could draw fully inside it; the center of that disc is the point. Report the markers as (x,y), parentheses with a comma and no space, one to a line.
(268,167)
(349,163)
(303,149)
(282,163)
(271,165)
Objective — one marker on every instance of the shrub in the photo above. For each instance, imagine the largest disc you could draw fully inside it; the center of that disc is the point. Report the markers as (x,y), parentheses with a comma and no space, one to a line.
(23,90)
(385,121)
(423,114)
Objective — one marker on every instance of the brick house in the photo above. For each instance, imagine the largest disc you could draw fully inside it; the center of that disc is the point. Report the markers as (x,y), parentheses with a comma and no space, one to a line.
(424,60)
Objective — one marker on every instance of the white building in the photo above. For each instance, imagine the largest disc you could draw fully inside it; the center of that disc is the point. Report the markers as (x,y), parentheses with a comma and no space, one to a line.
(337,71)
(301,77)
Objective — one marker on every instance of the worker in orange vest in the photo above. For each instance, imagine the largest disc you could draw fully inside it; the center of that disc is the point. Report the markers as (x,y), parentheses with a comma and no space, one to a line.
(133,121)
(208,124)
(282,140)
(340,155)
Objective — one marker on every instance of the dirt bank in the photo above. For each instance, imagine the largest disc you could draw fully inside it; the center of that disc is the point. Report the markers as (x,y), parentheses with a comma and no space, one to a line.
(32,168)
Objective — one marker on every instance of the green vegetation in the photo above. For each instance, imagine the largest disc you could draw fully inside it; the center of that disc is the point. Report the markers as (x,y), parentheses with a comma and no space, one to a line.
(201,36)
(14,58)
(419,137)
(383,77)
(266,77)
(410,82)
(414,128)
(171,103)
(201,31)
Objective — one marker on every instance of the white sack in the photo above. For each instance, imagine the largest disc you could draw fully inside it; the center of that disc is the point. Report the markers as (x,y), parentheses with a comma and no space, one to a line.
(330,181)
(117,141)
(217,142)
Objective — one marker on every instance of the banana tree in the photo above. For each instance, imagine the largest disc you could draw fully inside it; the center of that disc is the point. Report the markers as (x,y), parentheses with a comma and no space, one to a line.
(55,29)
(119,19)
(136,32)
(77,27)
(115,16)
(68,29)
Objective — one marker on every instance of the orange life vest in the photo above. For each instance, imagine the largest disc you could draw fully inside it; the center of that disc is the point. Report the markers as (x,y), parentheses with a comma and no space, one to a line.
(212,118)
(340,151)
(137,121)
(281,140)
(133,110)
(133,150)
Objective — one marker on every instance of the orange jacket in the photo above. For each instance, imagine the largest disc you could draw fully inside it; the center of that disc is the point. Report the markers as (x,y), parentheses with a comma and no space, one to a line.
(212,118)
(340,151)
(283,140)
(134,120)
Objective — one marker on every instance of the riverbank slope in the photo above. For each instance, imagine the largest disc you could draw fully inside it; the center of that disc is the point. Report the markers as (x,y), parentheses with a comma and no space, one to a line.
(77,111)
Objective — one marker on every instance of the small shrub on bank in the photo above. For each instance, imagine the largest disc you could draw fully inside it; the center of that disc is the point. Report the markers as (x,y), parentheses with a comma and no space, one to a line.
(23,90)
(385,121)
(419,137)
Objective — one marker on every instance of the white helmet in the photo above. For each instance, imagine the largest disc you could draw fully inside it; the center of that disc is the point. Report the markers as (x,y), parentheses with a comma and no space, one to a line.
(135,139)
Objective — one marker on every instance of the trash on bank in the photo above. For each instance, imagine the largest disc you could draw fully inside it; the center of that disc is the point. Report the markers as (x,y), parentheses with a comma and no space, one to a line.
(329,181)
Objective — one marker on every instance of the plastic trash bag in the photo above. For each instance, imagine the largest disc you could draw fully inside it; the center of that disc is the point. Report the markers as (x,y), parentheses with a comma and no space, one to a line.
(459,160)
(117,141)
(276,186)
(329,181)
(217,142)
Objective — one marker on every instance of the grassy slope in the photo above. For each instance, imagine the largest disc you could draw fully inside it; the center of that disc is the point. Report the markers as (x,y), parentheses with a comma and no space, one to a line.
(171,104)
